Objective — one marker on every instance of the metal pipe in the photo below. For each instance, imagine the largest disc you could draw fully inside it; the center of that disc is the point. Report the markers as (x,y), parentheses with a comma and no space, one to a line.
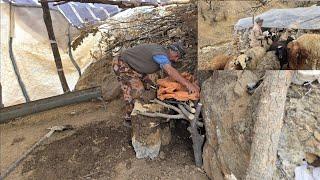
(12,58)
(70,53)
(11,112)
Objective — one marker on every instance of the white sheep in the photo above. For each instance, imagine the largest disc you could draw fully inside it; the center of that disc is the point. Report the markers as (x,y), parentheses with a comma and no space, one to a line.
(252,58)
(269,62)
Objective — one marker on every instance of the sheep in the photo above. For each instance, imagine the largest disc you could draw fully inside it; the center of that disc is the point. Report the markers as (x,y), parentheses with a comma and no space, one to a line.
(281,51)
(253,57)
(269,62)
(233,64)
(225,62)
(304,53)
(219,62)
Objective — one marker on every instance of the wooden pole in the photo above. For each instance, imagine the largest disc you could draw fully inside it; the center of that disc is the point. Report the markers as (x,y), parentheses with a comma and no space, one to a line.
(1,103)
(268,125)
(54,45)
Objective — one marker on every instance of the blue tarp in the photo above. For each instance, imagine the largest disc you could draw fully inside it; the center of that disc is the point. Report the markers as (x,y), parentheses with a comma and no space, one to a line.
(300,18)
(77,14)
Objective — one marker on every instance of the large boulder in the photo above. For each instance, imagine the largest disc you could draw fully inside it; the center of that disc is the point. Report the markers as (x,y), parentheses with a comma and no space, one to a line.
(229,116)
(100,73)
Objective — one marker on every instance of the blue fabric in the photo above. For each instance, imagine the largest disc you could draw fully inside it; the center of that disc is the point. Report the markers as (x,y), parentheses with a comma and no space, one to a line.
(161,60)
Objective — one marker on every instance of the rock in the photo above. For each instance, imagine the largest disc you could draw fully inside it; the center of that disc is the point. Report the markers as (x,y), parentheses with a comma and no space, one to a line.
(224,106)
(128,165)
(229,119)
(162,155)
(100,73)
(95,149)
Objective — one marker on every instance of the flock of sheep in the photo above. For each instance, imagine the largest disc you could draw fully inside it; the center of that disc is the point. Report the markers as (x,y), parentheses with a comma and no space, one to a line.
(300,54)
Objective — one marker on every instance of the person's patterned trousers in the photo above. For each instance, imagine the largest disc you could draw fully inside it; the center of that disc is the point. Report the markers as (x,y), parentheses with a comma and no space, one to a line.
(131,83)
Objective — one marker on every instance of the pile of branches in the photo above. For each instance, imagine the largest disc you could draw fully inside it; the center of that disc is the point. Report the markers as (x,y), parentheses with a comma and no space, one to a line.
(163,25)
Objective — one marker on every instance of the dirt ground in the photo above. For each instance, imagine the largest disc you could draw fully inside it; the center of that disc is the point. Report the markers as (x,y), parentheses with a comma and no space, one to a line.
(98,147)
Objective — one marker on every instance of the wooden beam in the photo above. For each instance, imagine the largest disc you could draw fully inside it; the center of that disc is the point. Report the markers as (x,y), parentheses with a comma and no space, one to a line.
(121,4)
(54,45)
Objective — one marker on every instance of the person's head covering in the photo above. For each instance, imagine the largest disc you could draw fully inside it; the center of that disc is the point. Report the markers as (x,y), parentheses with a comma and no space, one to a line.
(259,20)
(178,47)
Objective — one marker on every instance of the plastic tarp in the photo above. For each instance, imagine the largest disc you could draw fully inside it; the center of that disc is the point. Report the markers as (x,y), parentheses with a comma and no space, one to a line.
(77,14)
(300,18)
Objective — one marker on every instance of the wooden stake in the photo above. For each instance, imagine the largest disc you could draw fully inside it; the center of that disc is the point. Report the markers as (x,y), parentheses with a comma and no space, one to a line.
(54,45)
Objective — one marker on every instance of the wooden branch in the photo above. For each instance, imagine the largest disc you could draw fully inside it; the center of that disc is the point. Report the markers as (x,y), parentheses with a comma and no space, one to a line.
(167,106)
(186,113)
(121,4)
(197,138)
(189,108)
(54,45)
(161,115)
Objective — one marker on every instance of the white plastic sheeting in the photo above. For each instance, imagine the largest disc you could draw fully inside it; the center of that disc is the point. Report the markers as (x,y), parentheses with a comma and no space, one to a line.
(306,172)
(34,55)
(301,18)
(302,76)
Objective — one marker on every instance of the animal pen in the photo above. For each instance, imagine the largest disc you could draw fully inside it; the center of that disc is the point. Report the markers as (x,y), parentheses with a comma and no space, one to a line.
(301,20)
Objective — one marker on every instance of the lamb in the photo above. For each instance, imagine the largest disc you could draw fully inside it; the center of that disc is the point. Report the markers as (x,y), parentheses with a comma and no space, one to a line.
(304,53)
(219,61)
(225,62)
(239,63)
